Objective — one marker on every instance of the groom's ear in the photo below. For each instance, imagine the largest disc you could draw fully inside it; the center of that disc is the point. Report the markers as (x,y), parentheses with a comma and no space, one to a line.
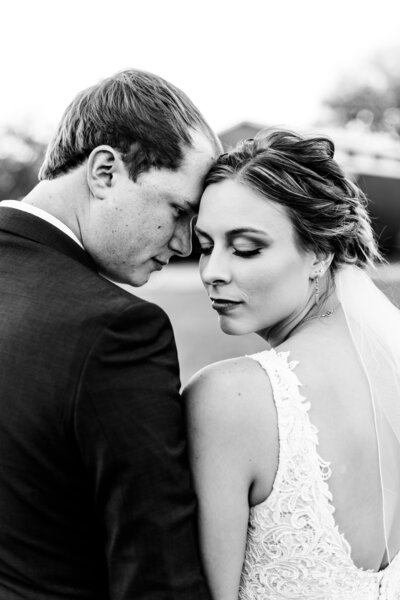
(102,165)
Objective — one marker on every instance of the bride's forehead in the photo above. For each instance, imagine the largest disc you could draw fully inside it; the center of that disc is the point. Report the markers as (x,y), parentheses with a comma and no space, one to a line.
(238,206)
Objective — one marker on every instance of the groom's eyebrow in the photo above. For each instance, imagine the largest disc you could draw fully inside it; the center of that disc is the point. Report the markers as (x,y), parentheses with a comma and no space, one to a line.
(193,208)
(188,205)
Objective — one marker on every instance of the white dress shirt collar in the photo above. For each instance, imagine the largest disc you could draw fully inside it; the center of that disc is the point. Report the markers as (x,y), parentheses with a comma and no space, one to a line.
(42,214)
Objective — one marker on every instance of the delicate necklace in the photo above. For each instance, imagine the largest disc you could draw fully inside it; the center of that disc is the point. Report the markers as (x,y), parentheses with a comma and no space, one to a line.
(327,314)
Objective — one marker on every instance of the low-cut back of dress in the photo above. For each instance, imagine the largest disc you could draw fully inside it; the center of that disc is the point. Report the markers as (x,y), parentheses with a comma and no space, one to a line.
(294,548)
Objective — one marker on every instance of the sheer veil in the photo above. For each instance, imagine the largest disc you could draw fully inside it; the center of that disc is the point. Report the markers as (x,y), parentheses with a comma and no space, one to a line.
(374,324)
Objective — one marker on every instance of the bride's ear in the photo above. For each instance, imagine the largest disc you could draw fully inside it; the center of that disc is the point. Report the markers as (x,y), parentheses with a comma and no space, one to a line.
(321,264)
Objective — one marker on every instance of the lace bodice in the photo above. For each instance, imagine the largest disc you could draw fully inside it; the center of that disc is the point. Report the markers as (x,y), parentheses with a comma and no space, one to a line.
(294,548)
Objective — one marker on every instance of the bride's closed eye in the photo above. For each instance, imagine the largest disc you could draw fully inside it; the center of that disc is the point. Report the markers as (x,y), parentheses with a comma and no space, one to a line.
(246,248)
(247,253)
(206,250)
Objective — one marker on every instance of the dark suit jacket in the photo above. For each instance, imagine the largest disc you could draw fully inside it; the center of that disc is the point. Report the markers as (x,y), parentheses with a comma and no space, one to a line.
(95,495)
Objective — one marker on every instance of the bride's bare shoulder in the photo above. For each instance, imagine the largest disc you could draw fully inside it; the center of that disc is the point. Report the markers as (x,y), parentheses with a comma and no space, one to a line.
(226,376)
(237,388)
(232,422)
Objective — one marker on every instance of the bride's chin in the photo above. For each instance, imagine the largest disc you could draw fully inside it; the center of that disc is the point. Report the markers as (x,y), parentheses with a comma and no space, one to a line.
(234,328)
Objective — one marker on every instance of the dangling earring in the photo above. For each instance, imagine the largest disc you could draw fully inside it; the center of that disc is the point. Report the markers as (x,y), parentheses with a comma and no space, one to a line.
(315,279)
(316,284)
(316,289)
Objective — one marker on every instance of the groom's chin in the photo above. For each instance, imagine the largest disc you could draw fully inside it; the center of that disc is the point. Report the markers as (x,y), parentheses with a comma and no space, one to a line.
(134,279)
(137,280)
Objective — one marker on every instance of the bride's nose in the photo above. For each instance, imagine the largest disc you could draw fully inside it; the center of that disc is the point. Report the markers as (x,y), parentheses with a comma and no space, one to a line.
(215,267)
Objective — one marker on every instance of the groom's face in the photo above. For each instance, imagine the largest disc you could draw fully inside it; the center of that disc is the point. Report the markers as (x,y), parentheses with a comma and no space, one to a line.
(140,224)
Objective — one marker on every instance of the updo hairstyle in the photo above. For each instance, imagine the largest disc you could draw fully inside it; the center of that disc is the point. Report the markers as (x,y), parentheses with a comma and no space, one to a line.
(327,210)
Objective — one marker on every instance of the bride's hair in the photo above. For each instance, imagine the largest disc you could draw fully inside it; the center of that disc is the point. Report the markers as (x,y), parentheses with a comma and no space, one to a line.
(328,211)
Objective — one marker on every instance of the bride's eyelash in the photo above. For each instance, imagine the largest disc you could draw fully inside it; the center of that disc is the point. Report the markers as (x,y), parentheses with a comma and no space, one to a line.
(206,250)
(247,253)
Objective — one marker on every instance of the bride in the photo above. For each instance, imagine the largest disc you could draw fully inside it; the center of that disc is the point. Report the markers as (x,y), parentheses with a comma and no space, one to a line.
(295,451)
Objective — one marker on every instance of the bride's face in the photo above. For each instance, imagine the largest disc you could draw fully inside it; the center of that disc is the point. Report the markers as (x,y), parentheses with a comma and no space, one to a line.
(252,268)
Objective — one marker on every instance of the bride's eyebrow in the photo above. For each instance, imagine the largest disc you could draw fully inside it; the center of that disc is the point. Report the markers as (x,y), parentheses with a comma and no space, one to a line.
(233,232)
(241,230)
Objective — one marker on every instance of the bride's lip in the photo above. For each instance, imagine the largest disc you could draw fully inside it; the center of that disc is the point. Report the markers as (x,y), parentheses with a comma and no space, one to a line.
(224,304)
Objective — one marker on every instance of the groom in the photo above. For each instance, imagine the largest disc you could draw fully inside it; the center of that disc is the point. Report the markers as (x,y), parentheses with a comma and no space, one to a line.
(95,495)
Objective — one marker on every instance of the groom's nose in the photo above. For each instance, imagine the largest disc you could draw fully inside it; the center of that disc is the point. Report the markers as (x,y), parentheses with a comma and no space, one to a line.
(181,241)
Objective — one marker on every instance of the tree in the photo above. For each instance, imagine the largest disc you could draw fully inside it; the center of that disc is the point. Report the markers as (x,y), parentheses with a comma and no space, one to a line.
(370,98)
(20,158)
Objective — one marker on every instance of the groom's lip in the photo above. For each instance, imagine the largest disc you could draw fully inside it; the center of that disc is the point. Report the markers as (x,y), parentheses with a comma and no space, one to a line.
(159,264)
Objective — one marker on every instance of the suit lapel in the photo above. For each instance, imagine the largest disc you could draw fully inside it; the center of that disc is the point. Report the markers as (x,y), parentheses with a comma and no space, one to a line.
(30,227)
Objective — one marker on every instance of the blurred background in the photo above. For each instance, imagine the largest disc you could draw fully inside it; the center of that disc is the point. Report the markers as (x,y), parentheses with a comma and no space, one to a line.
(312,66)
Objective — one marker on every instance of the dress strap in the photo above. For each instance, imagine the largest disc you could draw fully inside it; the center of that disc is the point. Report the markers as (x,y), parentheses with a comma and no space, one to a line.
(280,370)
(298,437)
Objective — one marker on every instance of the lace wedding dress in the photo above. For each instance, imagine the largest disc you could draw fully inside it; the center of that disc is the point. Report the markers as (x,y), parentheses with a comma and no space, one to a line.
(294,548)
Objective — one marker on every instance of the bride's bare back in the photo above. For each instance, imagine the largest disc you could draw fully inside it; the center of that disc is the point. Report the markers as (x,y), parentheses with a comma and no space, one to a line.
(334,383)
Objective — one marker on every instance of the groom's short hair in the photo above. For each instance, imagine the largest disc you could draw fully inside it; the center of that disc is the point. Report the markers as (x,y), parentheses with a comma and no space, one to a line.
(143,116)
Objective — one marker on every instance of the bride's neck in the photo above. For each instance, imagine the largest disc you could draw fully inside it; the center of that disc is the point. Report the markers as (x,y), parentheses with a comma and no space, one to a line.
(283,330)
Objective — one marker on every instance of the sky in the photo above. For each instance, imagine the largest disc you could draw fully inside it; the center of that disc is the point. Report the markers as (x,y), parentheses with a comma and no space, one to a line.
(270,62)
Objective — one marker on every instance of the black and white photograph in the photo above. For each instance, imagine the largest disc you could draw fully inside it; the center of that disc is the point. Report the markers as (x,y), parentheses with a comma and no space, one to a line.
(200,300)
